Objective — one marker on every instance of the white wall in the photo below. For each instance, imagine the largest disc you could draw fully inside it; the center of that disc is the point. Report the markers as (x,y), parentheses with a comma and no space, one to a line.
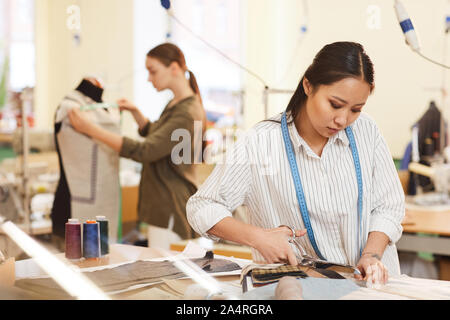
(106,50)
(42,88)
(405,82)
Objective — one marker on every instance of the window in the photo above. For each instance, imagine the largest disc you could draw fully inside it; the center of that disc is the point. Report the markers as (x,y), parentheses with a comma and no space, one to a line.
(216,22)
(208,33)
(150,102)
(17,44)
(17,53)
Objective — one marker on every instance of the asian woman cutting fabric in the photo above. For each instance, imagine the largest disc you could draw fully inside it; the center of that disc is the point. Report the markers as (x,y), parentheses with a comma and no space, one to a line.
(321,170)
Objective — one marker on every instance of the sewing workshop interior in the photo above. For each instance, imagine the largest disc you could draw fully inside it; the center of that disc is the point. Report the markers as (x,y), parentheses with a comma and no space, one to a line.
(224,150)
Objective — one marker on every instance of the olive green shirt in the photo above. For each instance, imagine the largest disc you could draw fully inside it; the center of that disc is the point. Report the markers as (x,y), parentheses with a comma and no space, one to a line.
(165,187)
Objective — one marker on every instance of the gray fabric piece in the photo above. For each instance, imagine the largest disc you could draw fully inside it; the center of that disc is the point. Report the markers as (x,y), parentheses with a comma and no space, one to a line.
(414,266)
(313,289)
(127,275)
(91,168)
(10,203)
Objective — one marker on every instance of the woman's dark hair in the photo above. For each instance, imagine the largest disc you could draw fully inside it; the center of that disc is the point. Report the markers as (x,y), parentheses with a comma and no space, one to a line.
(168,53)
(334,62)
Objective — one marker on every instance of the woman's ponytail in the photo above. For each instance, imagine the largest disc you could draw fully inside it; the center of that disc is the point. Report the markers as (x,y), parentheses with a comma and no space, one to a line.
(298,99)
(194,85)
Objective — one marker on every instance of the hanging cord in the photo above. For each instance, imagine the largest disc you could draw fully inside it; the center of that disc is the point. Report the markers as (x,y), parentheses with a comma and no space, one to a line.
(291,64)
(435,62)
(169,12)
(410,33)
(303,31)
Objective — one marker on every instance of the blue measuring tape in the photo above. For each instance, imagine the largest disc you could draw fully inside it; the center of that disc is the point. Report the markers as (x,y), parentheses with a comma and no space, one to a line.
(101,105)
(299,190)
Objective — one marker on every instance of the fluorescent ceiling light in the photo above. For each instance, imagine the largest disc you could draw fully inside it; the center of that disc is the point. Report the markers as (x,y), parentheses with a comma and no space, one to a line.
(75,283)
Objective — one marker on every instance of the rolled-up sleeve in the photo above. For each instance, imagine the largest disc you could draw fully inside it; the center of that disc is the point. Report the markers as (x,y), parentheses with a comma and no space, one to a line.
(143,132)
(158,144)
(223,191)
(388,209)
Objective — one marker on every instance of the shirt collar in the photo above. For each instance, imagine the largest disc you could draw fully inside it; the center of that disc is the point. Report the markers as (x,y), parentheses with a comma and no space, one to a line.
(342,136)
(298,141)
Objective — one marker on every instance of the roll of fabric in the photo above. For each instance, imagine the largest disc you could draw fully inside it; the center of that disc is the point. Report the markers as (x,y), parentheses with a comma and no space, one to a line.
(289,288)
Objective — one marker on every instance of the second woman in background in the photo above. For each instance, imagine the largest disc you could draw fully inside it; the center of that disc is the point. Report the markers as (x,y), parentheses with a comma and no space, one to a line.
(165,187)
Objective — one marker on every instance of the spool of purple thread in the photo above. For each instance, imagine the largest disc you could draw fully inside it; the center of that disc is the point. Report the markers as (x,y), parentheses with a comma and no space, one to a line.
(73,239)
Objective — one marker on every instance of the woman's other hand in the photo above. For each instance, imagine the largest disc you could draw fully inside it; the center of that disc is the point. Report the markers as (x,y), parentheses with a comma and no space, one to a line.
(372,270)
(124,104)
(80,121)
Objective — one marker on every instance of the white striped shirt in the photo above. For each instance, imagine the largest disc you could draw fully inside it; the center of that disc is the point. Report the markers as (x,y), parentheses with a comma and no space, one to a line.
(256,174)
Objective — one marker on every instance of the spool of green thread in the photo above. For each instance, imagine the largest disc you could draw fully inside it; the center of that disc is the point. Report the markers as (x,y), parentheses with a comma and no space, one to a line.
(104,242)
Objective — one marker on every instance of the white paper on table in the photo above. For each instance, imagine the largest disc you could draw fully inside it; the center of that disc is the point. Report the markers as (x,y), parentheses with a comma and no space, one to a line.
(29,269)
(404,287)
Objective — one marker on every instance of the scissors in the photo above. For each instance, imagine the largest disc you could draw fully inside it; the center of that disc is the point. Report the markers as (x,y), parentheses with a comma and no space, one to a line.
(307,261)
